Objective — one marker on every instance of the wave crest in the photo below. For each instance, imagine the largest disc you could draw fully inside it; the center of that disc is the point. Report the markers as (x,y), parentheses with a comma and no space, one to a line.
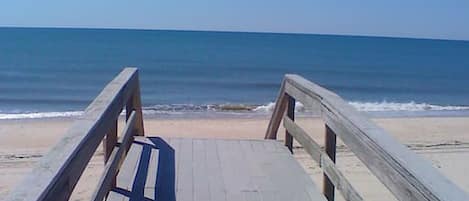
(383,106)
(299,107)
(412,106)
(37,115)
(181,109)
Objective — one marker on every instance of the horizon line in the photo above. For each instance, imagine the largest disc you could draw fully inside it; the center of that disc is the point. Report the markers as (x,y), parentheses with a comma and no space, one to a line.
(232,31)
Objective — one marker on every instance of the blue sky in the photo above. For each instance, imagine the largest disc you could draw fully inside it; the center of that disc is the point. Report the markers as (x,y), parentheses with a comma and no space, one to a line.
(444,19)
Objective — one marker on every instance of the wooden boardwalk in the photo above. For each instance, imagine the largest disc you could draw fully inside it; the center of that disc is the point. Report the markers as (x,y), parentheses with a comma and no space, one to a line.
(139,168)
(186,169)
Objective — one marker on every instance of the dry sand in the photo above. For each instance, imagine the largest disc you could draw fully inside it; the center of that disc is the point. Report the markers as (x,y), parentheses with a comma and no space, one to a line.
(443,141)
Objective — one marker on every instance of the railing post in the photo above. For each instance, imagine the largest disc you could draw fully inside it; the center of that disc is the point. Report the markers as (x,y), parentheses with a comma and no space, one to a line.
(277,114)
(134,103)
(291,115)
(110,141)
(330,148)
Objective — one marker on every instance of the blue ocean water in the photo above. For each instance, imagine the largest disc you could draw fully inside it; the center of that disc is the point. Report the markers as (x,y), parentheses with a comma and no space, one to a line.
(56,72)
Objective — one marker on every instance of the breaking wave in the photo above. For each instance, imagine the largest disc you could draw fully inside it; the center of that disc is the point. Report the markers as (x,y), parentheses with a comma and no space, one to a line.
(383,106)
(240,109)
(38,115)
(410,106)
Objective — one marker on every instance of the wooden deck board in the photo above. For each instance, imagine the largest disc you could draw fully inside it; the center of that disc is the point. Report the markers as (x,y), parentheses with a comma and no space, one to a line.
(200,170)
(127,172)
(126,175)
(220,170)
(113,196)
(150,184)
(184,190)
(216,184)
(176,144)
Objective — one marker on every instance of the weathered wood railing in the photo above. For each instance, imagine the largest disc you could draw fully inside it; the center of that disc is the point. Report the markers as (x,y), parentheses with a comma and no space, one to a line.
(57,173)
(404,173)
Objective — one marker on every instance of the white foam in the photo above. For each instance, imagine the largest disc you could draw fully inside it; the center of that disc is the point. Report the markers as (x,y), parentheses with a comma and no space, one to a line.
(265,108)
(299,107)
(36,115)
(377,107)
(183,109)
(409,106)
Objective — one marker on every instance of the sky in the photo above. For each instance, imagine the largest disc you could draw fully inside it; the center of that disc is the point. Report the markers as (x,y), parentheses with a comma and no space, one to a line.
(441,19)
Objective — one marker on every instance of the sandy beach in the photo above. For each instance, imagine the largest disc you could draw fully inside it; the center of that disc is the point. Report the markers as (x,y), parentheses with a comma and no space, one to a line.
(443,140)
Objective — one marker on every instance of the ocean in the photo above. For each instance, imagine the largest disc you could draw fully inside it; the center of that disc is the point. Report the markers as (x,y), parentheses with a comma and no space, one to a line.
(55,72)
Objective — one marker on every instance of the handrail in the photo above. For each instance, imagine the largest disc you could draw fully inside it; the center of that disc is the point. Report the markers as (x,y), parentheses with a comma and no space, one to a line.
(57,173)
(407,175)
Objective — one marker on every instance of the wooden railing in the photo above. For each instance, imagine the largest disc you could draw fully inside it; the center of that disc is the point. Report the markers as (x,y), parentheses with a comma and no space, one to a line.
(57,173)
(404,173)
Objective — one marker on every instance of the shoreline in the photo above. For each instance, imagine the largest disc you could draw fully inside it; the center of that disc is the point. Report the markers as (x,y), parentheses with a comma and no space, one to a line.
(18,135)
(382,109)
(252,115)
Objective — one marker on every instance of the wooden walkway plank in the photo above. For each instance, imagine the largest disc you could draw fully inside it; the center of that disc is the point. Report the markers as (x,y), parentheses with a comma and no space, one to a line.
(175,143)
(127,172)
(201,185)
(247,149)
(215,178)
(252,193)
(277,176)
(113,196)
(241,170)
(269,145)
(258,146)
(288,175)
(150,184)
(258,177)
(233,177)
(125,178)
(185,174)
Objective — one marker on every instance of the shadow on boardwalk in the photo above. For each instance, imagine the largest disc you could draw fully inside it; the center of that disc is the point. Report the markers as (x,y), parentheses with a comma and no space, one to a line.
(165,178)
